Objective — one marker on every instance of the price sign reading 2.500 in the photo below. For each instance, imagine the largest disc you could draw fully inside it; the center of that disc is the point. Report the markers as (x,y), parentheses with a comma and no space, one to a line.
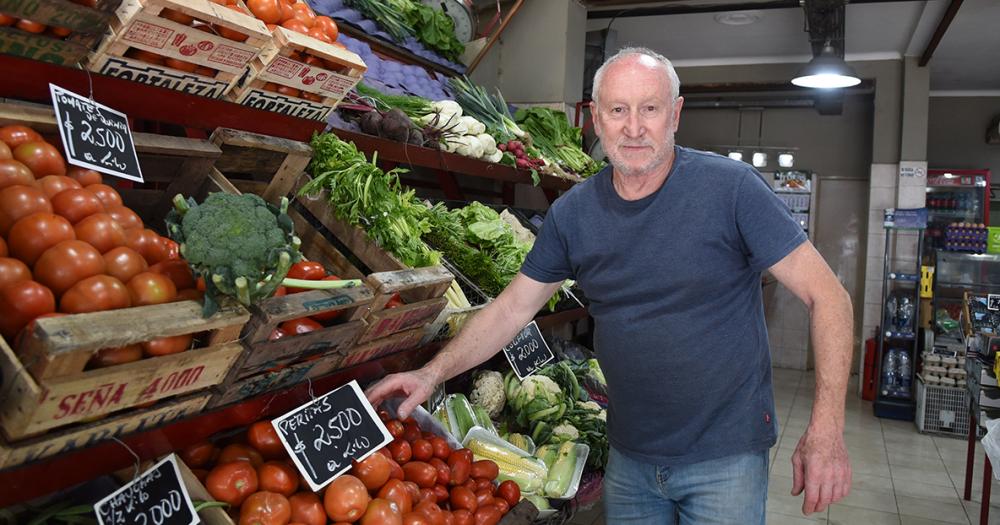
(95,136)
(157,497)
(326,434)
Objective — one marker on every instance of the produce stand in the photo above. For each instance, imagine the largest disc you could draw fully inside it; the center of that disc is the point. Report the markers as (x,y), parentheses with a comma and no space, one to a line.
(88,25)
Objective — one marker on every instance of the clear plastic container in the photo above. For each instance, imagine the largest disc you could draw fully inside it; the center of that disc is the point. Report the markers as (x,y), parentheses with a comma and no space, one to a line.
(582,451)
(426,421)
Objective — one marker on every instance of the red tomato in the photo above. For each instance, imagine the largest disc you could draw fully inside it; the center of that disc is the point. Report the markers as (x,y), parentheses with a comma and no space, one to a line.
(411,432)
(145,56)
(307,509)
(190,294)
(463,498)
(484,469)
(15,134)
(100,231)
(124,263)
(262,436)
(303,325)
(29,26)
(294,24)
(510,492)
(5,153)
(167,345)
(396,471)
(53,184)
(306,270)
(318,33)
(396,492)
(460,467)
(125,216)
(401,450)
(84,176)
(177,16)
(173,249)
(177,271)
(276,476)
(269,11)
(346,499)
(415,518)
(66,264)
(276,334)
(199,455)
(41,158)
(395,428)
(150,288)
(484,497)
(441,493)
(441,448)
(422,450)
(13,172)
(95,294)
(502,505)
(32,235)
(3,247)
(373,471)
(443,472)
(108,196)
(329,26)
(394,302)
(488,515)
(76,204)
(13,271)
(239,452)
(431,510)
(463,517)
(6,20)
(147,243)
(21,302)
(382,512)
(20,201)
(423,474)
(115,356)
(232,482)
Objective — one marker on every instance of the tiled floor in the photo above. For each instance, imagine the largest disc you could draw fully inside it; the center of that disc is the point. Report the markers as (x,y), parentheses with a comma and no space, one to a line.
(901,477)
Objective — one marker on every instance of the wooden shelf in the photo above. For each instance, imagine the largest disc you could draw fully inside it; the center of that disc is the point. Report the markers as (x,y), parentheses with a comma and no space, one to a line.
(200,114)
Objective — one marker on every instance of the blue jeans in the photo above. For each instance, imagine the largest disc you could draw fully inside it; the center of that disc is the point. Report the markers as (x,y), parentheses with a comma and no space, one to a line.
(730,490)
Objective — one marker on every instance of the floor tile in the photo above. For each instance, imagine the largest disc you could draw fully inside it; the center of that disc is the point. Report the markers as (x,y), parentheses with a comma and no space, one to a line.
(933,477)
(932,509)
(844,515)
(782,519)
(871,500)
(916,489)
(912,520)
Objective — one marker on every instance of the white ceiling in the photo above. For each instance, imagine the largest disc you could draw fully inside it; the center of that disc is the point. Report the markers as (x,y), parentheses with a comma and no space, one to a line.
(967,59)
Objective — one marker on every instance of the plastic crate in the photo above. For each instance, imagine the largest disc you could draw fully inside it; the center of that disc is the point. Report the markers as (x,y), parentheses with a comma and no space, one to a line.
(942,409)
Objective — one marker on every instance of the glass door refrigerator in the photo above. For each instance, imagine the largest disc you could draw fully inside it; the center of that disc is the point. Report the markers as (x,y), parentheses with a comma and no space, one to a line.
(954,196)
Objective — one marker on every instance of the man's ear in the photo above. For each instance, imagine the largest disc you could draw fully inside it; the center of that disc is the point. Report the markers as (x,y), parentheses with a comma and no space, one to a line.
(678,104)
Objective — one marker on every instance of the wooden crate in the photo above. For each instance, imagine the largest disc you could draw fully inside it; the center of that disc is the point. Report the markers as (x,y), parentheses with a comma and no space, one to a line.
(421,288)
(279,64)
(47,386)
(88,26)
(380,347)
(279,378)
(137,24)
(75,437)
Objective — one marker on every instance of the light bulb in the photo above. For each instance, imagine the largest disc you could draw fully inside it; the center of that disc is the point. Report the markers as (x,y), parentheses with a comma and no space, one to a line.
(759,159)
(786,160)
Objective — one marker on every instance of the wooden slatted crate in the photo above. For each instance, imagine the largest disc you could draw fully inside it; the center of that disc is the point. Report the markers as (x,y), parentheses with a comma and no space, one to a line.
(217,63)
(282,63)
(47,384)
(380,347)
(75,437)
(87,25)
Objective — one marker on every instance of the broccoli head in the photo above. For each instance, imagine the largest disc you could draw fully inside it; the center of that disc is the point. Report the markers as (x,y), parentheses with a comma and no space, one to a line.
(240,244)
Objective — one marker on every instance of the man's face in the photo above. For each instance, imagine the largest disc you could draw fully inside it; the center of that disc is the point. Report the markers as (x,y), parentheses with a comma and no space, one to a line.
(635,117)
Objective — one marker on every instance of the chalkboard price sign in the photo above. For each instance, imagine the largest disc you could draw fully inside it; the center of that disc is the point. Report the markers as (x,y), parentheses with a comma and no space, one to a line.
(157,497)
(94,135)
(528,351)
(326,434)
(993,301)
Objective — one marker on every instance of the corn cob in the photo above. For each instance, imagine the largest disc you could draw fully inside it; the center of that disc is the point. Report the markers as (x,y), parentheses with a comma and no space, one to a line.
(526,471)
(561,473)
(521,441)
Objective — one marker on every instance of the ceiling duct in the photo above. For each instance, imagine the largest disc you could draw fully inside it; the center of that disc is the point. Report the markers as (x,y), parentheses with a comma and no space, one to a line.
(825,22)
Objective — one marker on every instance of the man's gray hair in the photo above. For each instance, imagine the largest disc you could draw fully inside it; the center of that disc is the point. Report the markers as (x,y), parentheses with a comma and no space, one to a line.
(675,83)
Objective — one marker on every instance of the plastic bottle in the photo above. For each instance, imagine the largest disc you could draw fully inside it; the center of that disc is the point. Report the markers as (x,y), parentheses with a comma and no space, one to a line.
(904,374)
(890,371)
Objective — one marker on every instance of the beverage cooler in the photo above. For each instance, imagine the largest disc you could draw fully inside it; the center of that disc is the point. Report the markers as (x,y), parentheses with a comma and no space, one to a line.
(954,196)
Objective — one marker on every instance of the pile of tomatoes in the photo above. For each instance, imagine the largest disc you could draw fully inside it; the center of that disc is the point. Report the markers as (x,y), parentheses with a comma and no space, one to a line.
(416,480)
(31,26)
(68,245)
(312,271)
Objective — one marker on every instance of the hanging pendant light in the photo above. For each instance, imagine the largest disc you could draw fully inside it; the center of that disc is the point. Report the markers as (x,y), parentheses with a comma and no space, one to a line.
(827,71)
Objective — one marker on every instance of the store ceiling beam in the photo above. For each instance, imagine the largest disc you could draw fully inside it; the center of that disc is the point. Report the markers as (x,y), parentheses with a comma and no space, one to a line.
(686,9)
(942,28)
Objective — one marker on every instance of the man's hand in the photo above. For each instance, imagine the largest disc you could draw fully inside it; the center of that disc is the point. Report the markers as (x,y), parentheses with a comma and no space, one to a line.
(820,466)
(417,386)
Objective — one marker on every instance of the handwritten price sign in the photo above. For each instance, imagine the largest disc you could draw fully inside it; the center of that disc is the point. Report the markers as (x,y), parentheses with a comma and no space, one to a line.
(157,497)
(326,434)
(528,351)
(95,136)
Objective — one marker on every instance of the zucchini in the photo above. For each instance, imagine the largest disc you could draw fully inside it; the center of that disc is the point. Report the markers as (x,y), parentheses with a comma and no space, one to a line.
(462,415)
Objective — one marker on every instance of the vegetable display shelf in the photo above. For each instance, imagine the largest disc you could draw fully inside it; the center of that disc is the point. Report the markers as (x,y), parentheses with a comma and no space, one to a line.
(394,51)
(200,115)
(81,464)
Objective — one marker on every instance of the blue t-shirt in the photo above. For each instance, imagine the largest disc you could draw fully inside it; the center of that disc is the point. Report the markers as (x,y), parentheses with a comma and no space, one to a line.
(673,281)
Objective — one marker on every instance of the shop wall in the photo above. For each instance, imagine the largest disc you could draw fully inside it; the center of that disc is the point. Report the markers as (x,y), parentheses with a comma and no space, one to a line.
(832,146)
(957,137)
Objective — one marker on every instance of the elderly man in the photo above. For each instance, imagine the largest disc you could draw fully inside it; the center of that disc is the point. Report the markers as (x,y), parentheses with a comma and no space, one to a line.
(669,246)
